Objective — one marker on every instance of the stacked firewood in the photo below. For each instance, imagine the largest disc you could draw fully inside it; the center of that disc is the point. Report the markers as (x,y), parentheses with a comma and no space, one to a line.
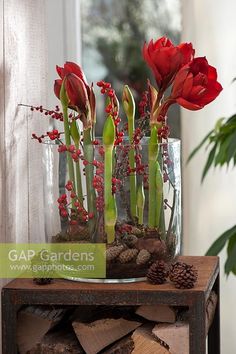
(158,329)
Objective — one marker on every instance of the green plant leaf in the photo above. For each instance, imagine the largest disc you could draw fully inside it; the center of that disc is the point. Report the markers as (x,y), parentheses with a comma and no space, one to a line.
(231,119)
(193,153)
(209,161)
(234,160)
(74,132)
(219,124)
(230,264)
(219,244)
(221,156)
(232,147)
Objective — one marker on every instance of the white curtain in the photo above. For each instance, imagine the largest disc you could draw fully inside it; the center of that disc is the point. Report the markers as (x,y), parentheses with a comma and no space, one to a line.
(34,37)
(209,209)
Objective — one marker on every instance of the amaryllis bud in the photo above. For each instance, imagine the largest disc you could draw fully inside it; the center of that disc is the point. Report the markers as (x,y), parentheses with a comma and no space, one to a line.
(109,131)
(154,104)
(128,102)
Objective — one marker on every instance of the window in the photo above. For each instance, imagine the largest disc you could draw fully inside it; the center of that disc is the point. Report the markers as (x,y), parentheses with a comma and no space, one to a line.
(113,33)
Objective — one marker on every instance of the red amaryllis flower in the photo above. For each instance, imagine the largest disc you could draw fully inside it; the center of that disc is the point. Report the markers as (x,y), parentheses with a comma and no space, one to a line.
(71,68)
(81,96)
(57,87)
(76,92)
(195,85)
(165,59)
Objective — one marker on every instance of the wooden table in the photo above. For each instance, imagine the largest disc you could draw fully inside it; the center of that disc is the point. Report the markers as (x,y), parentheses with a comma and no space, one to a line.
(61,292)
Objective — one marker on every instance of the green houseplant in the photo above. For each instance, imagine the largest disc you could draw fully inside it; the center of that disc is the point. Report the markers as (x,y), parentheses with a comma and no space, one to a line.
(221,143)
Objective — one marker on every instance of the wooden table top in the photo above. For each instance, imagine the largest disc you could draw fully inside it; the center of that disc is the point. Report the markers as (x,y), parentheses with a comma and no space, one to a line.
(70,292)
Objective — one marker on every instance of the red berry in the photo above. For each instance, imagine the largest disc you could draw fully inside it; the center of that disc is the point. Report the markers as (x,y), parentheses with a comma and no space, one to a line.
(111,93)
(62,148)
(96,163)
(74,156)
(107,85)
(71,148)
(73,222)
(64,213)
(100,83)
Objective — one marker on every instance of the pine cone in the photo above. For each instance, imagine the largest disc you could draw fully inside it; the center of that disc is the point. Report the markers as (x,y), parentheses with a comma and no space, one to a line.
(42,281)
(158,272)
(127,255)
(130,240)
(143,257)
(113,252)
(183,275)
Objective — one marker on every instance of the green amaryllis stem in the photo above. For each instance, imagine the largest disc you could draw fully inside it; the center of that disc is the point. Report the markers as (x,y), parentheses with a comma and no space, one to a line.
(75,134)
(89,173)
(129,108)
(140,203)
(110,210)
(79,182)
(159,194)
(152,165)
(65,102)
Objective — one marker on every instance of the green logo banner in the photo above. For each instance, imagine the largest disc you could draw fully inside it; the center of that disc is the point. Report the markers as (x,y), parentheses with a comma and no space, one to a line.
(53,260)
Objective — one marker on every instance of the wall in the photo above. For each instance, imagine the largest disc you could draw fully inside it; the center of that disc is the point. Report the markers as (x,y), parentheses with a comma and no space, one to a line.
(209,209)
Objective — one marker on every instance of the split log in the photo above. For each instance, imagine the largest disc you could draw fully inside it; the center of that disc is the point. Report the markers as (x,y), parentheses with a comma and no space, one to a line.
(97,335)
(157,313)
(210,309)
(176,335)
(33,322)
(122,346)
(62,341)
(145,342)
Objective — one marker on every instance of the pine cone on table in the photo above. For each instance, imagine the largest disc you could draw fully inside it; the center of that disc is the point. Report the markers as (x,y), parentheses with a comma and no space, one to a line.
(158,272)
(42,281)
(183,275)
(128,255)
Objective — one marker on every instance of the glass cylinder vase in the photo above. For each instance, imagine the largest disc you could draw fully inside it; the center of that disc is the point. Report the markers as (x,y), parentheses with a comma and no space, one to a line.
(126,197)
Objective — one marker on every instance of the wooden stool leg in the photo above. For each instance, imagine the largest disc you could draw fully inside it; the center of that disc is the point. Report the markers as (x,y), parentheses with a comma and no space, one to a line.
(214,332)
(197,326)
(9,314)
